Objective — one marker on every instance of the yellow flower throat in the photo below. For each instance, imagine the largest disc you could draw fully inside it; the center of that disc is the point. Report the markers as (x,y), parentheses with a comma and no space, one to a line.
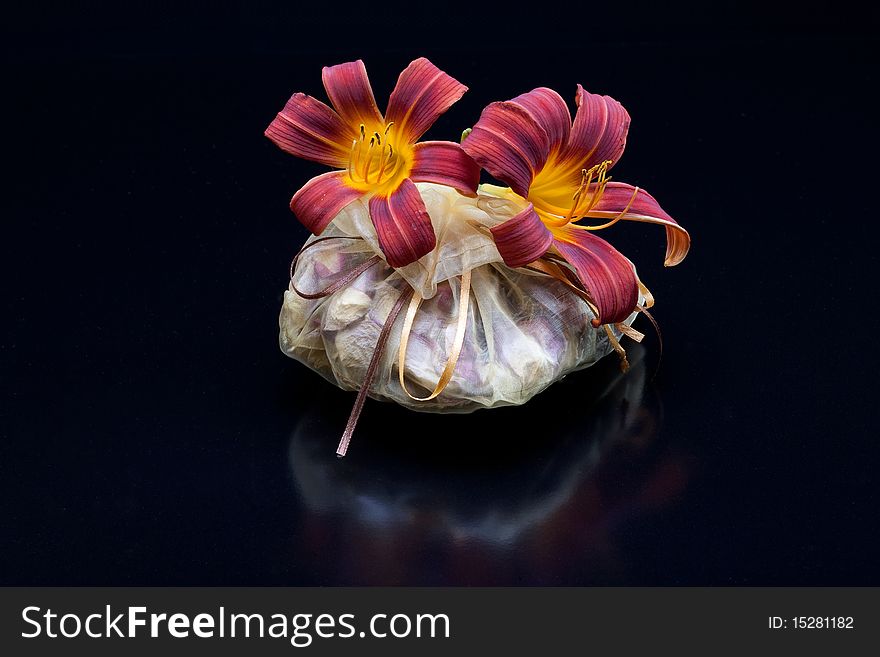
(551,196)
(378,161)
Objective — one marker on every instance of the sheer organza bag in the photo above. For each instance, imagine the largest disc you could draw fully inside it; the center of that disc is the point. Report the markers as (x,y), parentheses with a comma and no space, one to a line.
(512,332)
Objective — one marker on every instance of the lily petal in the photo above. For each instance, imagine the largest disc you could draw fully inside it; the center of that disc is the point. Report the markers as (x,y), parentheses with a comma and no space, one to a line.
(445,163)
(509,143)
(423,92)
(607,276)
(618,197)
(307,128)
(550,111)
(402,225)
(598,132)
(522,239)
(348,88)
(321,199)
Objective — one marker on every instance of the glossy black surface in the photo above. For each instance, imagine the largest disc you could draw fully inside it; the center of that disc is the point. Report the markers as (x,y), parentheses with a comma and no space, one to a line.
(154,434)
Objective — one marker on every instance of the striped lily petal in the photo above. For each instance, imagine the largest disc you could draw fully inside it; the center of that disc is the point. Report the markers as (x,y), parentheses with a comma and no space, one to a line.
(402,225)
(550,111)
(607,276)
(509,143)
(423,92)
(309,129)
(321,199)
(445,163)
(348,88)
(618,197)
(522,239)
(598,132)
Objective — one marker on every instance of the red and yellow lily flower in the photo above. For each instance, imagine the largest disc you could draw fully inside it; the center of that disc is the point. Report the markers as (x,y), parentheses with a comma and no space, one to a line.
(376,156)
(559,168)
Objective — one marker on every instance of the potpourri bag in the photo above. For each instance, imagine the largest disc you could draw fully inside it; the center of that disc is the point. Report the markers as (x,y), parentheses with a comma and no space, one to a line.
(523,330)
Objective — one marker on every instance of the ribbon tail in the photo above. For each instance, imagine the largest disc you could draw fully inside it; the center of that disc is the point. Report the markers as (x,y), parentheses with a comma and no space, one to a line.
(371,372)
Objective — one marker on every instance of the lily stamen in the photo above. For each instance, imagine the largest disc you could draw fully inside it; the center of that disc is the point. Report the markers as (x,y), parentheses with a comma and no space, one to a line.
(383,163)
(586,177)
(576,212)
(351,156)
(369,159)
(616,219)
(601,182)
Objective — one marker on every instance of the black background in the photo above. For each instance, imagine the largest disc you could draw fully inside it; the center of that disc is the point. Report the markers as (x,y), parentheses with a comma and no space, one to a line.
(153,434)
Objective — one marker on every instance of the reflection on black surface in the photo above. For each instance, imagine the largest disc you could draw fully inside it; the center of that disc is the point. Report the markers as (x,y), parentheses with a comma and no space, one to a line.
(480,500)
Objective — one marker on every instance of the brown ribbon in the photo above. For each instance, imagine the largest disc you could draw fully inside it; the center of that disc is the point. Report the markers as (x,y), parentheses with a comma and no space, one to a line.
(371,372)
(346,279)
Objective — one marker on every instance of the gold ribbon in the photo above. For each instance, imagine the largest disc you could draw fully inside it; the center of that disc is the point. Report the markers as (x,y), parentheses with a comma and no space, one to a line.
(454,353)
